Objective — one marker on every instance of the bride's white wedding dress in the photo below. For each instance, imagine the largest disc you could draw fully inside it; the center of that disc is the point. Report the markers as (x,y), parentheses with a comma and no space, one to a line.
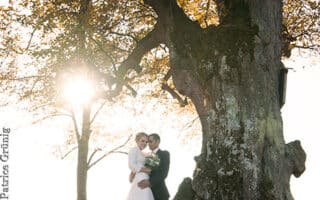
(136,162)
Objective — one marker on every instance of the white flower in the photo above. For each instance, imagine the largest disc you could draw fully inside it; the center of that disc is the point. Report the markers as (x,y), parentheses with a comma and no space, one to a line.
(152,161)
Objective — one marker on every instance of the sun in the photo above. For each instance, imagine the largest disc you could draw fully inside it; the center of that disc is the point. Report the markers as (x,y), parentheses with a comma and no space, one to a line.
(78,91)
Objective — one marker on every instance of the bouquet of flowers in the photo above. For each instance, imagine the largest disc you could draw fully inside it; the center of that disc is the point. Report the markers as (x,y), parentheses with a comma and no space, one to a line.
(152,161)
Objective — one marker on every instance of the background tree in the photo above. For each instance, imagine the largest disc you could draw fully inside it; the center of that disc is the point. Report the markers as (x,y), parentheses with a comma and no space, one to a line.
(64,41)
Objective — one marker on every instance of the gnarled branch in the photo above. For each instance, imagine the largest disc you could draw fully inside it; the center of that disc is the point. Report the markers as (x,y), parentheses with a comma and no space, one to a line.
(182,102)
(152,40)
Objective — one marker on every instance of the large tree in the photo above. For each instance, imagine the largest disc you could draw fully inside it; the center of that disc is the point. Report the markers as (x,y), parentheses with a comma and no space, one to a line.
(232,73)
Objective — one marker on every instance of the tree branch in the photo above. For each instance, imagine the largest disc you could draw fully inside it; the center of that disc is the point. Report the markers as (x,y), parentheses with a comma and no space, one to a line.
(30,39)
(164,10)
(306,47)
(49,117)
(182,102)
(22,78)
(189,124)
(174,94)
(124,35)
(97,112)
(70,151)
(38,106)
(106,154)
(152,40)
(133,91)
(104,51)
(168,75)
(41,22)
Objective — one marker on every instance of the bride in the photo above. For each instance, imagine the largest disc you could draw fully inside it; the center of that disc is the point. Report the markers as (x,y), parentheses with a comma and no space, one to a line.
(136,164)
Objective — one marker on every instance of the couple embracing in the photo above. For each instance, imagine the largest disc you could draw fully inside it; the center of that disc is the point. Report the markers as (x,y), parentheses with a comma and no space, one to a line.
(148,172)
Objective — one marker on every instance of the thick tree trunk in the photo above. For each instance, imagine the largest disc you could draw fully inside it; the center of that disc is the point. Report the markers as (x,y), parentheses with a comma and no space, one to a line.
(231,74)
(83,146)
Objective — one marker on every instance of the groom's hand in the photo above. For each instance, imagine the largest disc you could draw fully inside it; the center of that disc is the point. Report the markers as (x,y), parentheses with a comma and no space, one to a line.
(144,184)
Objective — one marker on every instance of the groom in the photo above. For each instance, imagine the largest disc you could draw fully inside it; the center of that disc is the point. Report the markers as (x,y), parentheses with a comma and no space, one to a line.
(158,175)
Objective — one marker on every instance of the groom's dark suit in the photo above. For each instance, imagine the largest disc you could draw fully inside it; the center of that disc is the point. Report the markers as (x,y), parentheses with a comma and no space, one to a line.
(158,176)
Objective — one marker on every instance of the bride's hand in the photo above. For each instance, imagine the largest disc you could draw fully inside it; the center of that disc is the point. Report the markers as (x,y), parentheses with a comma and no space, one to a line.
(145,170)
(131,176)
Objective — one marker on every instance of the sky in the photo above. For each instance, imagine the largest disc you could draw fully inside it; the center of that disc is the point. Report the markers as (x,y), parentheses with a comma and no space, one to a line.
(37,173)
(301,120)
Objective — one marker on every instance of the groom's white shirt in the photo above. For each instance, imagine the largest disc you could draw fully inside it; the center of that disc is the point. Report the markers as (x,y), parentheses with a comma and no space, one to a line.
(155,150)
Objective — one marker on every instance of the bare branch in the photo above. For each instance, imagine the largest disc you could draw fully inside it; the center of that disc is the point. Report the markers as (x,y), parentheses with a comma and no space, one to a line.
(97,112)
(33,85)
(30,39)
(38,106)
(92,155)
(123,34)
(115,150)
(168,75)
(25,77)
(306,47)
(50,116)
(133,91)
(175,95)
(36,28)
(122,152)
(189,124)
(172,92)
(69,152)
(299,35)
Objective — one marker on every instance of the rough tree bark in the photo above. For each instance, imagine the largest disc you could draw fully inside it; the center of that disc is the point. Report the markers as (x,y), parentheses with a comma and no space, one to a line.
(231,74)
